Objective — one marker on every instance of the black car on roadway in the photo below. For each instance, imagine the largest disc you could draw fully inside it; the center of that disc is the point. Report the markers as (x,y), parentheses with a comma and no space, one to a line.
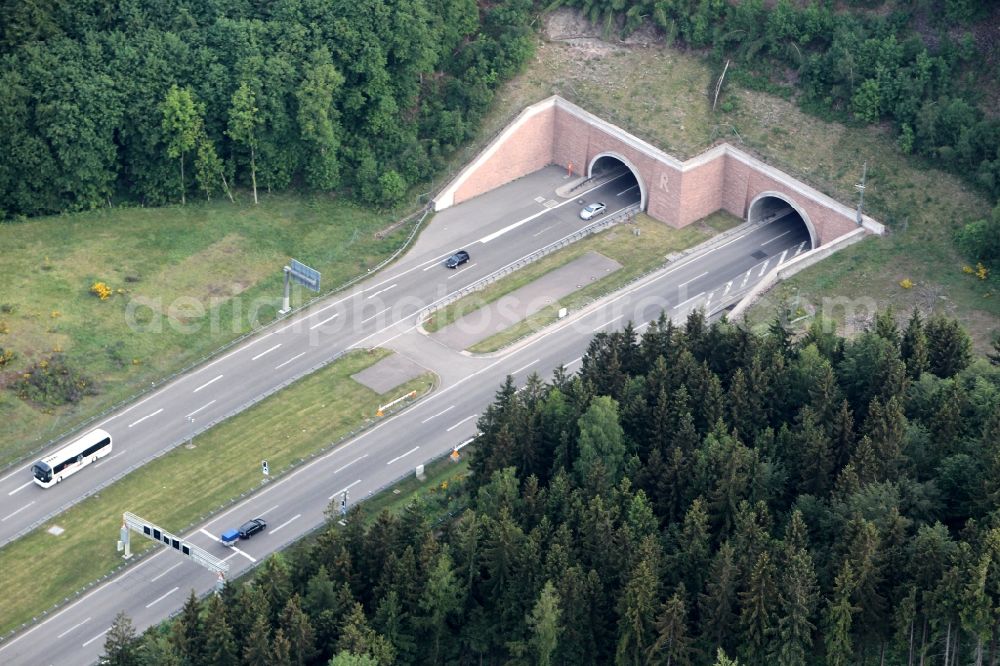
(251,527)
(457,259)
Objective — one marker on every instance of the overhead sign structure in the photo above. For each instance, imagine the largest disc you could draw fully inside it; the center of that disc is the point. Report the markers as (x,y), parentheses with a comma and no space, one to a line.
(304,275)
(146,528)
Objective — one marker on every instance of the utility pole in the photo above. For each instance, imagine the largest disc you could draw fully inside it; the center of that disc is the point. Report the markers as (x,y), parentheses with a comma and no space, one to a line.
(861,188)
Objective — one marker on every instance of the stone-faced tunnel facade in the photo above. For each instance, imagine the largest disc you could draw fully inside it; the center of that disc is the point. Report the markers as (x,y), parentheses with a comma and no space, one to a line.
(555,131)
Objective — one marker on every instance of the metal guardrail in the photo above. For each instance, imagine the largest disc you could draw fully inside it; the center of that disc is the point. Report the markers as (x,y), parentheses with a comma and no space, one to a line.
(421,214)
(480,284)
(672,260)
(276,476)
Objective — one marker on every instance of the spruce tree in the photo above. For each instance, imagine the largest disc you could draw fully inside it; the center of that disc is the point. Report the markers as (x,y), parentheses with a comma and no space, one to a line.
(797,600)
(295,625)
(839,619)
(637,611)
(544,623)
(220,648)
(188,634)
(759,604)
(913,347)
(120,645)
(949,347)
(673,645)
(257,644)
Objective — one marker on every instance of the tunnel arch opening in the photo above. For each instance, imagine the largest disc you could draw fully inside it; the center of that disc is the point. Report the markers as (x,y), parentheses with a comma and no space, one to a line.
(770,207)
(607,163)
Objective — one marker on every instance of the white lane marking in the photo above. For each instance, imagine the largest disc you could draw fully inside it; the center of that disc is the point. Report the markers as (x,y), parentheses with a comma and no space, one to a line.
(383,290)
(159,599)
(526,366)
(96,637)
(642,326)
(266,351)
(763,268)
(249,557)
(460,423)
(403,455)
(107,458)
(433,262)
(457,273)
(145,417)
(20,488)
(698,295)
(123,413)
(16,471)
(465,443)
(344,489)
(684,284)
(11,515)
(298,515)
(729,286)
(284,363)
(543,230)
(165,572)
(208,534)
(365,321)
(607,323)
(210,381)
(317,325)
(575,360)
(206,405)
(708,301)
(75,626)
(781,259)
(266,511)
(799,248)
(515,225)
(776,238)
(341,469)
(628,190)
(438,414)
(745,278)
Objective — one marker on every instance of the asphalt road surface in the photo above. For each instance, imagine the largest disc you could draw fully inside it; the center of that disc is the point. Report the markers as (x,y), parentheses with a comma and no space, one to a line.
(496,229)
(157,585)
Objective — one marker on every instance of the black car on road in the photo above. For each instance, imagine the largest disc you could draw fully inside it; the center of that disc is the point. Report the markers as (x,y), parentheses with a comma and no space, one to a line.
(251,527)
(457,259)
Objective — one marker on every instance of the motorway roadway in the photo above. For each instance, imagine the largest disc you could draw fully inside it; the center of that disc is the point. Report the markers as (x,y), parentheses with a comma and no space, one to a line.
(157,585)
(496,229)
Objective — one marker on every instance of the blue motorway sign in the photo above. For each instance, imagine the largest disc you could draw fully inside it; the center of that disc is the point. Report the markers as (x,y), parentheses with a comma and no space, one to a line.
(307,277)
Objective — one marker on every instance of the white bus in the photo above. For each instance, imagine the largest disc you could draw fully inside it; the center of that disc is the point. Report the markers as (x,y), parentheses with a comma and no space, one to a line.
(52,469)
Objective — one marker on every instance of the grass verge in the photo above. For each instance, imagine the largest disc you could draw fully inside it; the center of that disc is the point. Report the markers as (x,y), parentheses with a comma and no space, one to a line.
(637,255)
(180,488)
(184,280)
(659,94)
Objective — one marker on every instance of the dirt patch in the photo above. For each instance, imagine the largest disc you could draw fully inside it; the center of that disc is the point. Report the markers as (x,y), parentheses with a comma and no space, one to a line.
(224,269)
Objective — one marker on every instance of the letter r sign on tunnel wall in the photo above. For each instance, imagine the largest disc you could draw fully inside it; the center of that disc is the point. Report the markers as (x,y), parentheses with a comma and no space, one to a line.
(663,182)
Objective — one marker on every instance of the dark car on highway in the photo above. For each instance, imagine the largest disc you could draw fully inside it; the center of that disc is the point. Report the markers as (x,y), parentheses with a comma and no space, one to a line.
(251,527)
(457,259)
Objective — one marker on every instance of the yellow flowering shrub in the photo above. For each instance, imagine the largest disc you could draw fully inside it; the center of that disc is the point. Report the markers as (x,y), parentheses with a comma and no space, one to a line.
(101,290)
(906,283)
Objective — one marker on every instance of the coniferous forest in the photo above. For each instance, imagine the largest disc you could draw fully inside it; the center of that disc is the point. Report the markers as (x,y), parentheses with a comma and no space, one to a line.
(701,494)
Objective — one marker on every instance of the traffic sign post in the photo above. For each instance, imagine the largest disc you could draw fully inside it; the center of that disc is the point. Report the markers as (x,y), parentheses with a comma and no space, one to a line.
(263,468)
(304,275)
